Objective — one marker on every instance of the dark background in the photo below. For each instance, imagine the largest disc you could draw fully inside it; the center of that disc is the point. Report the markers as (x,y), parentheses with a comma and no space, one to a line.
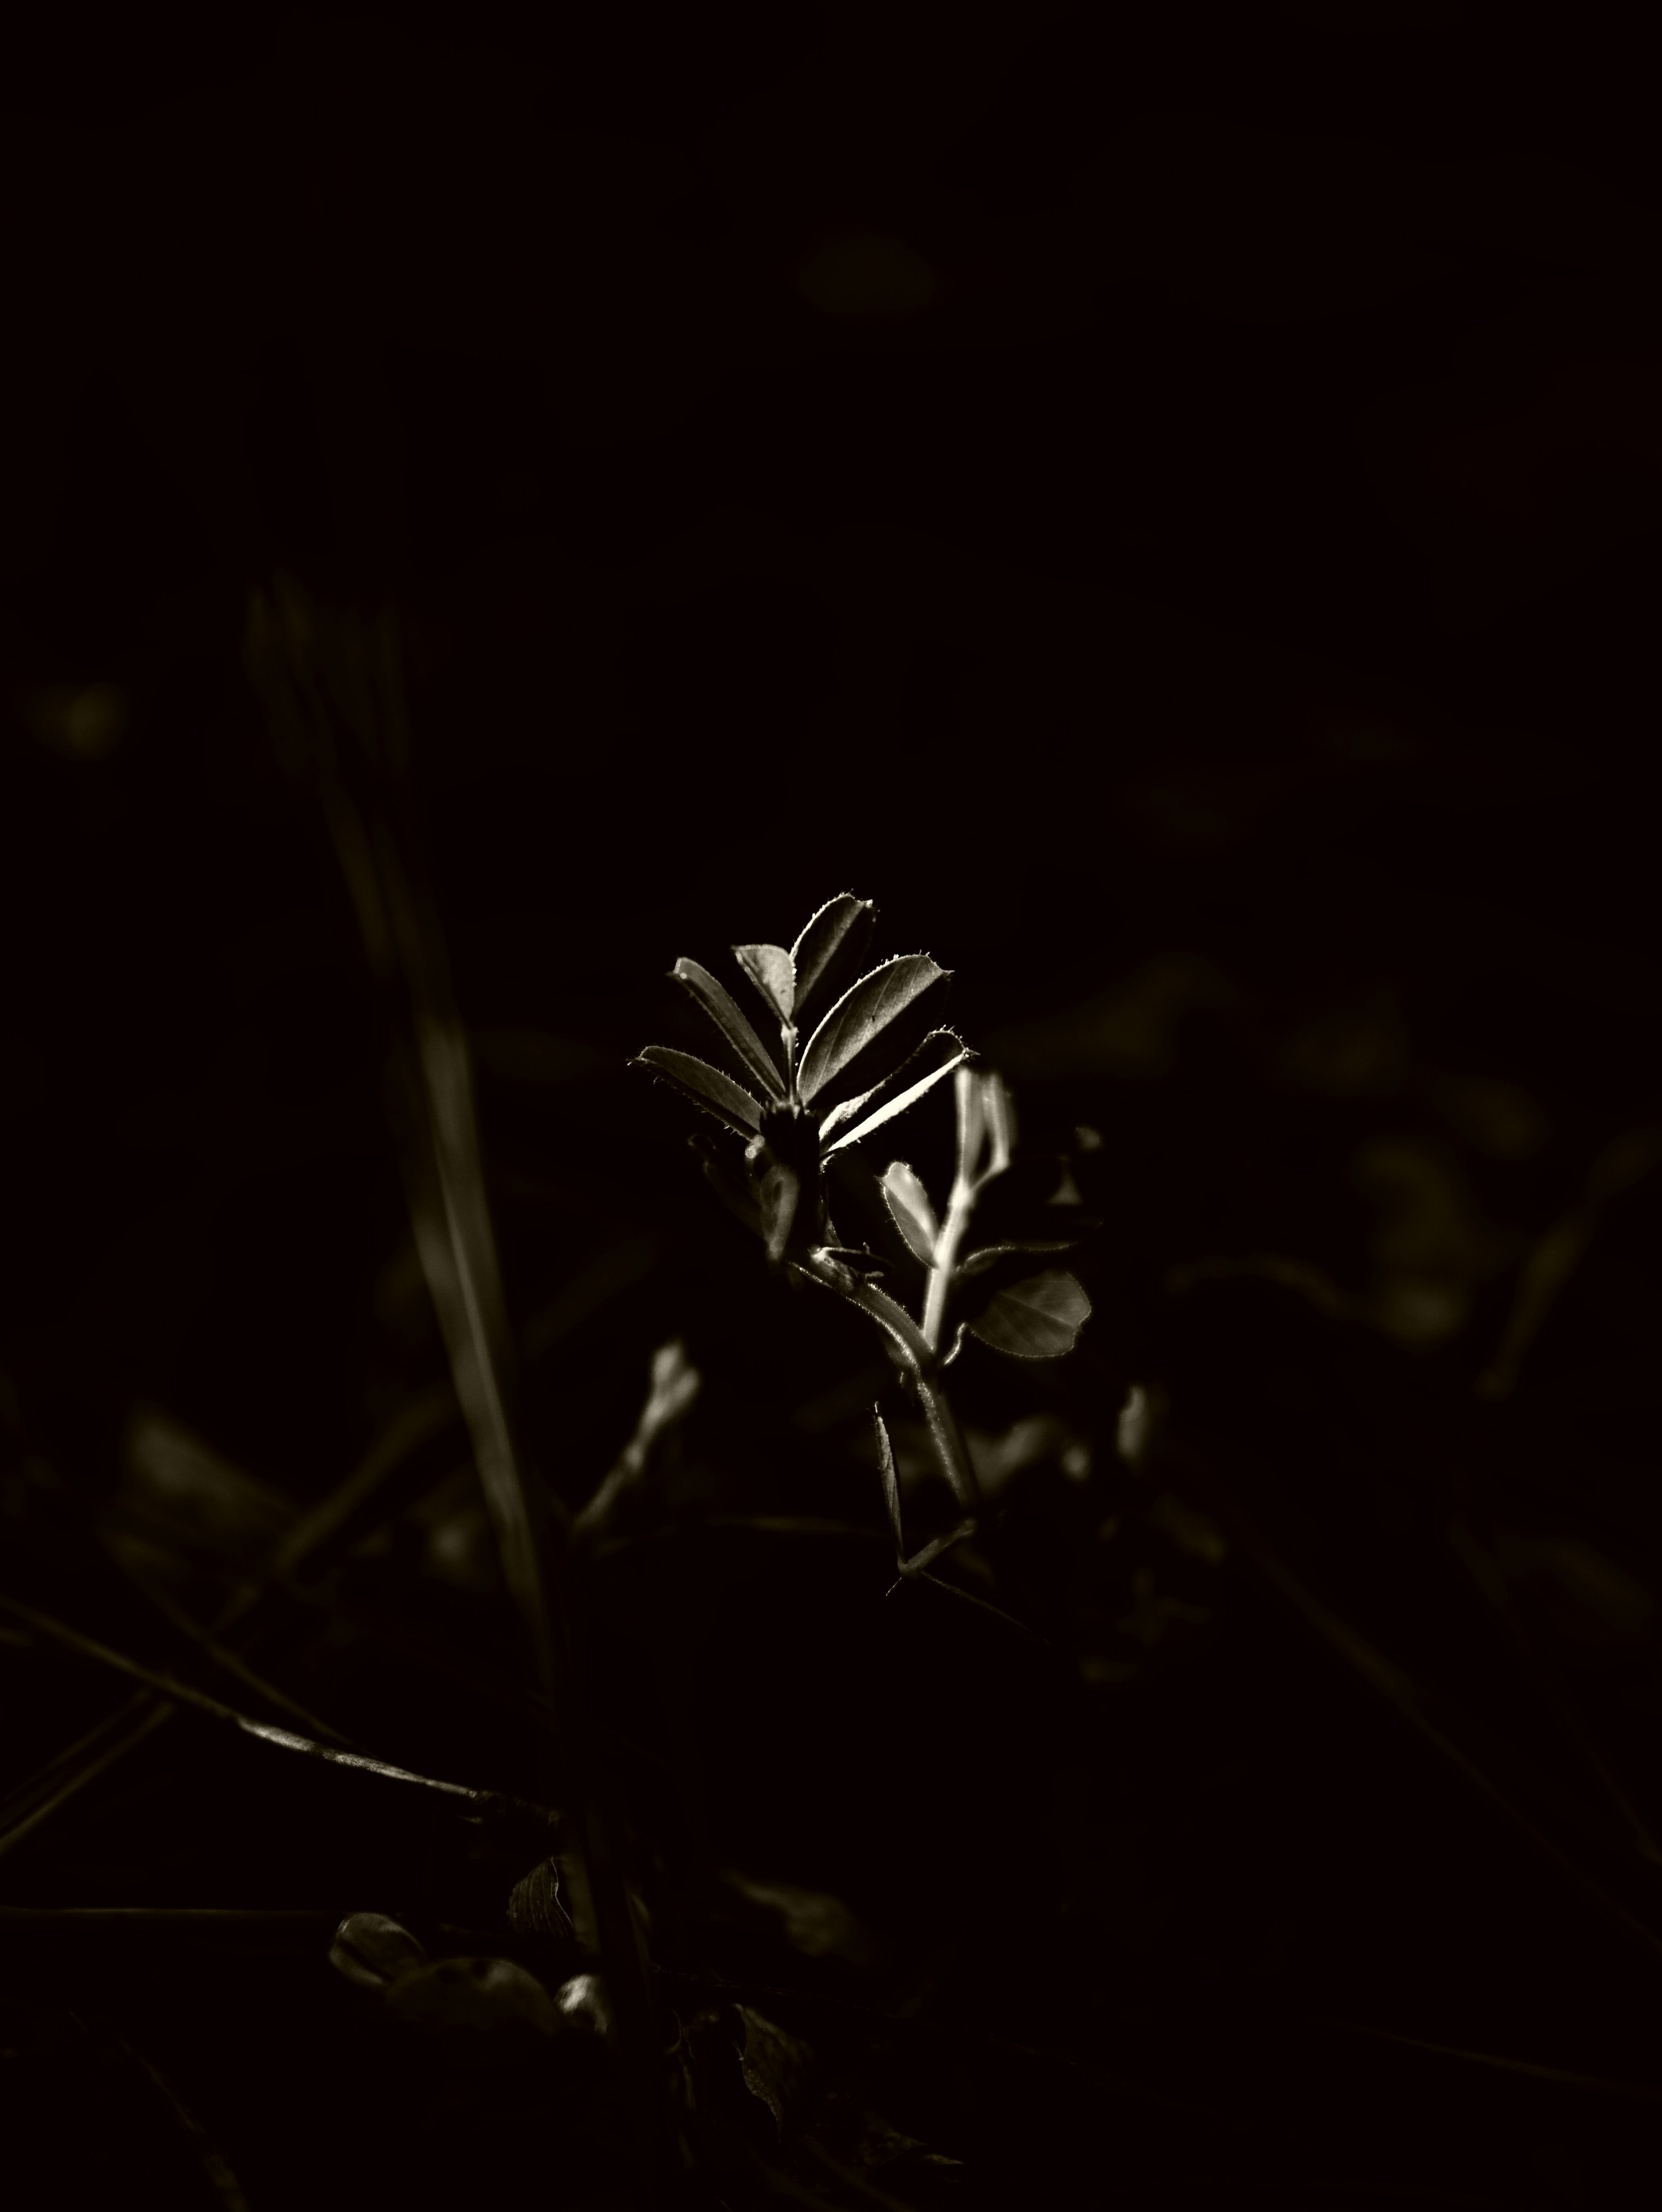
(1195,572)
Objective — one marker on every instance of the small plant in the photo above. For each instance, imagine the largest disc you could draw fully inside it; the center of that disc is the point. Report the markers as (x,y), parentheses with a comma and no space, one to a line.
(870,1054)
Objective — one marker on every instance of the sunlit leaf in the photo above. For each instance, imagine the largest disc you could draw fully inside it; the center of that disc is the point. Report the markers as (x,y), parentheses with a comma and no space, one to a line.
(939,1053)
(1038,1319)
(373,1951)
(773,971)
(705,1085)
(826,957)
(908,1206)
(717,1002)
(863,1013)
(940,1047)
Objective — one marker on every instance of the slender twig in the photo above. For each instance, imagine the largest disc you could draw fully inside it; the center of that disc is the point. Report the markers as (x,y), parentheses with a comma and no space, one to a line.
(221,1654)
(215,2167)
(182,1694)
(1527,2067)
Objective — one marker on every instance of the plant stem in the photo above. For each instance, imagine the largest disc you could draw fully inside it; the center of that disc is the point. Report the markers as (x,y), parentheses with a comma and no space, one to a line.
(919,1364)
(959,1208)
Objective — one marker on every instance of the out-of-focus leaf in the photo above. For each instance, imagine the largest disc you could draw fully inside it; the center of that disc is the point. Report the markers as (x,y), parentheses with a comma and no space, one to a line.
(520,1055)
(909,1206)
(780,1195)
(373,1951)
(717,1002)
(705,1085)
(773,971)
(818,1925)
(675,1384)
(584,2002)
(861,1014)
(475,1996)
(940,1047)
(179,1485)
(826,957)
(1038,1319)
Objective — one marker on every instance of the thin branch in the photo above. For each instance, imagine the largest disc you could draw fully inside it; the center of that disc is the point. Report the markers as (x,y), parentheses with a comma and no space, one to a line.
(181,1693)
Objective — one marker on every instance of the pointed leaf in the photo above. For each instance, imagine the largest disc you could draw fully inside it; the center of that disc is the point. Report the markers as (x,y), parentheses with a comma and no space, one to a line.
(898,1103)
(861,1014)
(717,1003)
(1038,1319)
(909,1206)
(891,1482)
(940,1050)
(827,955)
(705,1085)
(773,971)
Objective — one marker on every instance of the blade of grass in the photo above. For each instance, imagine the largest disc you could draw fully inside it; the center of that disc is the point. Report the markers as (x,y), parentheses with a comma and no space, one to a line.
(319,671)
(1486,1576)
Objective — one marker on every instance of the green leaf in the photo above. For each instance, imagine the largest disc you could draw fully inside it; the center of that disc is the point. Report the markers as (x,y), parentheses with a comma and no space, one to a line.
(861,1014)
(741,1038)
(976,1263)
(861,1123)
(705,1085)
(1038,1319)
(773,971)
(826,957)
(909,1205)
(891,1482)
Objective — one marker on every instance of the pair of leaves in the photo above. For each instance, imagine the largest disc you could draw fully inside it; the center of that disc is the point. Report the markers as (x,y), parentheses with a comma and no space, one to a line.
(1032,1317)
(471,1994)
